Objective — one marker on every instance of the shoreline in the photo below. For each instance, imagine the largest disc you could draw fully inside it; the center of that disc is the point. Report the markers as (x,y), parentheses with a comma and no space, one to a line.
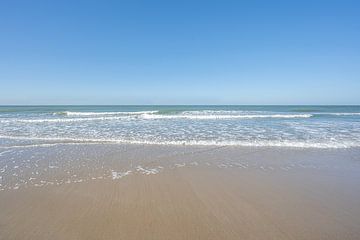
(240,144)
(180,192)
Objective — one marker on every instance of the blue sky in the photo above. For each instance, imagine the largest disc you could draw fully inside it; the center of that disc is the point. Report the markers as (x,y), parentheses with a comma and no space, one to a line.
(179,52)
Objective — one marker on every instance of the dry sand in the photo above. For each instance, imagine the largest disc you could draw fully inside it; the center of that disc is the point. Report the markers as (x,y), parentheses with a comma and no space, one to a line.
(193,193)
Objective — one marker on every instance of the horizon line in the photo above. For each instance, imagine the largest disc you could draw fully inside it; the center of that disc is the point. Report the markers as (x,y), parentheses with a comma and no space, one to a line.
(43,105)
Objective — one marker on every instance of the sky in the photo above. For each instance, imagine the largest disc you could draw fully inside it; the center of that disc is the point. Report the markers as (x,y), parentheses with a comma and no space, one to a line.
(179,52)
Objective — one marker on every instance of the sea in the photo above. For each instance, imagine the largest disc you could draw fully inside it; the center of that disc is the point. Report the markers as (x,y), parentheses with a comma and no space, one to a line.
(257,126)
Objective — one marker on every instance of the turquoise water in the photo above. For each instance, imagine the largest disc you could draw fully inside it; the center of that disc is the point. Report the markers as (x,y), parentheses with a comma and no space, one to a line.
(283,126)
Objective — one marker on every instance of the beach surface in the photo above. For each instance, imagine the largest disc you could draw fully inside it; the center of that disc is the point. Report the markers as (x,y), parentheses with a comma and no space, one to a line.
(115,191)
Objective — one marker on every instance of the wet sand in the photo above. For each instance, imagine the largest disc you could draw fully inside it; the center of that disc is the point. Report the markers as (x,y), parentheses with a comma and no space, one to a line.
(179,192)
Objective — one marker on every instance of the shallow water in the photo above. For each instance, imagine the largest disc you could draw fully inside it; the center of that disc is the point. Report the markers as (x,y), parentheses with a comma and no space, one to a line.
(289,126)
(60,164)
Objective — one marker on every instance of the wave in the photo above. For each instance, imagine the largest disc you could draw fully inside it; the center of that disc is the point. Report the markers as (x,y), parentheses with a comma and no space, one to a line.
(305,110)
(205,117)
(68,113)
(220,112)
(259,143)
(61,120)
(151,116)
(345,114)
(155,115)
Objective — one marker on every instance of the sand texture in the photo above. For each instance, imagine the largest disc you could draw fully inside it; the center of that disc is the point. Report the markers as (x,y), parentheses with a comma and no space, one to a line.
(159,192)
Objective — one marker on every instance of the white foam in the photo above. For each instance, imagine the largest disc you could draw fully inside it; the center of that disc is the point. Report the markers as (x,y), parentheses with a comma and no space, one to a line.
(61,120)
(243,143)
(148,171)
(118,175)
(7,151)
(69,113)
(179,165)
(209,117)
(149,115)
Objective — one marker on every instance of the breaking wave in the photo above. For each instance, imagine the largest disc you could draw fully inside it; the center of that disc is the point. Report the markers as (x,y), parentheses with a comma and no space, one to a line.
(148,116)
(241,143)
(204,117)
(327,127)
(68,113)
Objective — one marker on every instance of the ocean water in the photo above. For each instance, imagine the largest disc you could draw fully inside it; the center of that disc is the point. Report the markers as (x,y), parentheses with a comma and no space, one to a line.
(281,126)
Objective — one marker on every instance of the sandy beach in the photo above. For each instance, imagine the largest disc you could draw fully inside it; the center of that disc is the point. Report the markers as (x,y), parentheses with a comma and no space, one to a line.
(181,192)
(179,120)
